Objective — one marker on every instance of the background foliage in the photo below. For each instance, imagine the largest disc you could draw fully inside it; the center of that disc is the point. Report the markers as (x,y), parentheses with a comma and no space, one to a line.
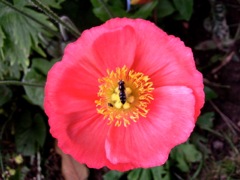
(33,35)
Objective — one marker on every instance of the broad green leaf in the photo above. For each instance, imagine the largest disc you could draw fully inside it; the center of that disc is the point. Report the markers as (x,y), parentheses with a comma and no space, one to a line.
(209,93)
(49,3)
(30,133)
(165,8)
(37,74)
(96,3)
(159,173)
(112,175)
(42,65)
(184,155)
(201,142)
(10,71)
(5,94)
(146,174)
(185,9)
(145,10)
(100,11)
(205,121)
(53,3)
(134,174)
(21,35)
(192,155)
(35,94)
(178,155)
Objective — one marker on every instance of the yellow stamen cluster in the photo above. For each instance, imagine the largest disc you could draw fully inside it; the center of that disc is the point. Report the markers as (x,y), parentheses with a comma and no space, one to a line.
(138,93)
(115,98)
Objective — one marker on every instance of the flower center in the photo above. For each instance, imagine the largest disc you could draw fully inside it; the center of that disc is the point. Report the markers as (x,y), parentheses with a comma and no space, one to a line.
(124,95)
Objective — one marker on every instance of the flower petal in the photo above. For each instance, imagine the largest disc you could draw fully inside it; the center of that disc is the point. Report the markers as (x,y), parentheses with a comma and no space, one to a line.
(70,88)
(148,142)
(167,61)
(116,48)
(164,58)
(81,136)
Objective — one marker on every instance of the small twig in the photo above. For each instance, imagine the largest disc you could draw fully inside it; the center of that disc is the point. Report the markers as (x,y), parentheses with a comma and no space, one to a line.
(237,32)
(55,17)
(20,83)
(227,120)
(226,60)
(206,81)
(39,169)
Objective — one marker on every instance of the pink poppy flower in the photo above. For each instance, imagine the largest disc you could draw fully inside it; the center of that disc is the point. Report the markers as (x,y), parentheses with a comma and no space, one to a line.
(124,94)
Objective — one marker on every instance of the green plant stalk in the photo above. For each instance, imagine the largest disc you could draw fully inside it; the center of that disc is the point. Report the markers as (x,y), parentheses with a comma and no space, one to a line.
(106,8)
(197,172)
(28,16)
(55,17)
(231,144)
(225,138)
(20,83)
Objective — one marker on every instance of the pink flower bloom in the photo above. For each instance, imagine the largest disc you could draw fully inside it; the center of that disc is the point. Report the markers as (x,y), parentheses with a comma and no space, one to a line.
(134,123)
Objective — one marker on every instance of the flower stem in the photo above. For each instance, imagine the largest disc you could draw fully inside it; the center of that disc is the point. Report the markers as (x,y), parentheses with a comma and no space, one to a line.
(106,8)
(55,17)
(27,15)
(20,83)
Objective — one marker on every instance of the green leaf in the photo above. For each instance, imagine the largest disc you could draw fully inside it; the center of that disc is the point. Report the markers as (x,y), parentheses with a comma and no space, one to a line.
(165,8)
(159,173)
(100,11)
(146,174)
(30,133)
(42,65)
(209,93)
(205,121)
(37,74)
(184,155)
(6,94)
(134,174)
(53,3)
(185,9)
(49,3)
(2,37)
(145,10)
(9,70)
(34,94)
(181,161)
(21,35)
(96,3)
(191,153)
(201,142)
(112,175)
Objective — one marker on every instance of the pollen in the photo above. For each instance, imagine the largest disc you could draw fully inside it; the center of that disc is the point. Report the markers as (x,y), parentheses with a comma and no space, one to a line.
(124,96)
